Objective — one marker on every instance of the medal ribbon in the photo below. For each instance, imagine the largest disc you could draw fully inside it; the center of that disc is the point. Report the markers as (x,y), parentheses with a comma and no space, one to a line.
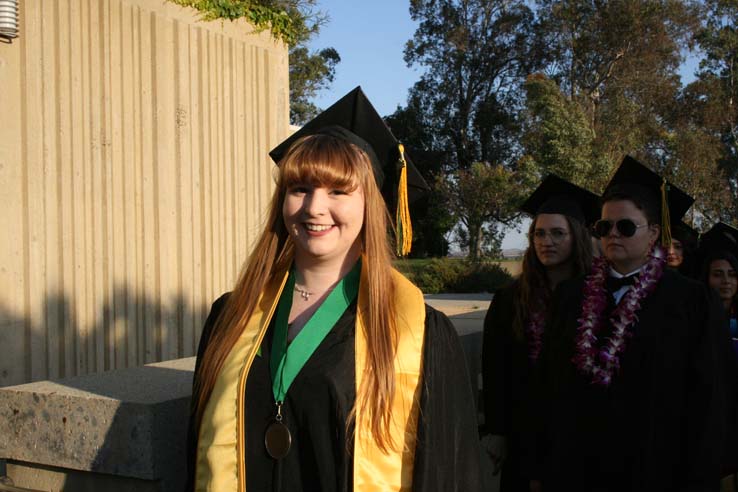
(284,369)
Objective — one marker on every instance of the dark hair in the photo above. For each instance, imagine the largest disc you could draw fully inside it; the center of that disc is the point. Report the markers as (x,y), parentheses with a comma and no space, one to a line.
(717,255)
(689,249)
(640,196)
(533,282)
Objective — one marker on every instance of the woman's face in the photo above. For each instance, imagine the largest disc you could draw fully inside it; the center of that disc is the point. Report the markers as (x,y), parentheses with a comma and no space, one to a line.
(675,256)
(552,239)
(722,277)
(324,223)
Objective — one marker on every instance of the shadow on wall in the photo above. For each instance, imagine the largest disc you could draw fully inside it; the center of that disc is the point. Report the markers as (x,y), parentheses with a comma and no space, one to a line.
(129,329)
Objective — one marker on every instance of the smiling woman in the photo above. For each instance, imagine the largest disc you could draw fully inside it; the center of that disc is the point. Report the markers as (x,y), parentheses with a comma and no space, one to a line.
(344,386)
(323,209)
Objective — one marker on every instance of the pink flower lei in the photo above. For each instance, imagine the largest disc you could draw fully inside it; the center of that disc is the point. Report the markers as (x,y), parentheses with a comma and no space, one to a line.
(604,364)
(534,333)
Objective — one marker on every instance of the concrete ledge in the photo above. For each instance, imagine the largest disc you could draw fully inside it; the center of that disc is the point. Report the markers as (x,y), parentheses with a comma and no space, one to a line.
(48,478)
(130,422)
(125,430)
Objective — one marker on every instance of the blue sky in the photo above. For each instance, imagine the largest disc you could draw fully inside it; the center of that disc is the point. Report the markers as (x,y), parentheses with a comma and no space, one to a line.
(370,37)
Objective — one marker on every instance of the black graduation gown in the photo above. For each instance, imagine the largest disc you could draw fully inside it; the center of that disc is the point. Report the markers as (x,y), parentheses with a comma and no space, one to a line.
(506,378)
(658,426)
(319,401)
(730,375)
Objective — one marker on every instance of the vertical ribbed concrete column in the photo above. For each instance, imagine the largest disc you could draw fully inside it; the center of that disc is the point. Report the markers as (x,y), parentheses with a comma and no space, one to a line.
(134,176)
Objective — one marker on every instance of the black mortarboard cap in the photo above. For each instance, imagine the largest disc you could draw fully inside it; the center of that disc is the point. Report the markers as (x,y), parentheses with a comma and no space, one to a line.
(353,118)
(721,237)
(557,196)
(684,232)
(636,177)
(639,180)
(720,242)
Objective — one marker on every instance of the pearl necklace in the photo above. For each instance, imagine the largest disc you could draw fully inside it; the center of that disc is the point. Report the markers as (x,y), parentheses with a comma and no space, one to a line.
(303,293)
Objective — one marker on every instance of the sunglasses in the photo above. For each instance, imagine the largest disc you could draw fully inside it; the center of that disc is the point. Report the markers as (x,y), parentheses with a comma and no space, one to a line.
(626,227)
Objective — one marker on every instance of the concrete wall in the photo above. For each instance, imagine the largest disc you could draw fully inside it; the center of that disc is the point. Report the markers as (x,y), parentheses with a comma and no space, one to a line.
(133,178)
(125,430)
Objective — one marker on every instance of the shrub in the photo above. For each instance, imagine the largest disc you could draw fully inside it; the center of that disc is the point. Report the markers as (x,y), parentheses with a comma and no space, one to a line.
(450,275)
(481,277)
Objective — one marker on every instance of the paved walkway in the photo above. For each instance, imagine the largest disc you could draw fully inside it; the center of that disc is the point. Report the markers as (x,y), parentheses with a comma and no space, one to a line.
(467,312)
(470,308)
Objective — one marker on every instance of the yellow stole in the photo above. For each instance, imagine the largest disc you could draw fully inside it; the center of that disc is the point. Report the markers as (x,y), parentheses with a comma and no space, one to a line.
(220,464)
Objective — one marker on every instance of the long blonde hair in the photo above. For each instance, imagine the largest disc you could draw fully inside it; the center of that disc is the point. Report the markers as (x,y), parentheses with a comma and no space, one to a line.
(319,160)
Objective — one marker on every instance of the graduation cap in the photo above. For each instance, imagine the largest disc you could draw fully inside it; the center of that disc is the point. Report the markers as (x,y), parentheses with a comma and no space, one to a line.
(354,119)
(720,242)
(721,237)
(684,232)
(639,180)
(557,196)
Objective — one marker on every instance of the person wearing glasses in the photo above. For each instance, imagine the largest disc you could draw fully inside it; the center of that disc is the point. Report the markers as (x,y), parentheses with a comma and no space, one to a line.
(629,383)
(324,369)
(559,248)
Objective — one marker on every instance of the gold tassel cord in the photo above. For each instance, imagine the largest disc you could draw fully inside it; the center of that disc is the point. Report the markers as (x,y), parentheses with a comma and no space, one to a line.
(403,227)
(665,216)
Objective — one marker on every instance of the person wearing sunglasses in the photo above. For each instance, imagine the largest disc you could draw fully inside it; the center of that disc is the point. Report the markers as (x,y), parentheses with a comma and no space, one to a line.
(628,385)
(559,248)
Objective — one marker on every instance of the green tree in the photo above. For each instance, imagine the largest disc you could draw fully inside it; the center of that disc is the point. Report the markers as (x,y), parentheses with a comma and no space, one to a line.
(483,198)
(310,72)
(615,65)
(558,135)
(474,54)
(690,159)
(431,218)
(713,99)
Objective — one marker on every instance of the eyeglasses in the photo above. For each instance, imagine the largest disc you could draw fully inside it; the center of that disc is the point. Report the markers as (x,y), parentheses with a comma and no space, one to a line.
(556,235)
(626,227)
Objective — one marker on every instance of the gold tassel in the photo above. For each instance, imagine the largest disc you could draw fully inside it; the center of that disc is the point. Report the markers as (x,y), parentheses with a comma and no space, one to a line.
(403,226)
(665,218)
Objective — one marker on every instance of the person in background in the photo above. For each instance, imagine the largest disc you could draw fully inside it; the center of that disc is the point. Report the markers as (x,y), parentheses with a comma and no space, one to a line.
(719,250)
(680,252)
(559,248)
(324,370)
(721,274)
(628,387)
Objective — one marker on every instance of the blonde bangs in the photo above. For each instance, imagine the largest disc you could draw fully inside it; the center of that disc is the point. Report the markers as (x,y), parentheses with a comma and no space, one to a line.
(323,161)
